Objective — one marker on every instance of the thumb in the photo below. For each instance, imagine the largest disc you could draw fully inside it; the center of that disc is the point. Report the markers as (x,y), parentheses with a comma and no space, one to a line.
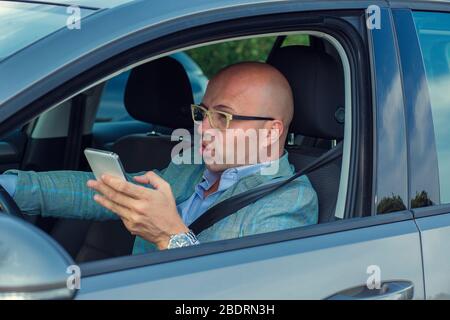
(152,178)
(141,179)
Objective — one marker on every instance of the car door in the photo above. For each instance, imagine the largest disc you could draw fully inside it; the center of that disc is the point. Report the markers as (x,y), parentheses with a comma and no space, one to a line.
(371,254)
(329,261)
(372,257)
(424,37)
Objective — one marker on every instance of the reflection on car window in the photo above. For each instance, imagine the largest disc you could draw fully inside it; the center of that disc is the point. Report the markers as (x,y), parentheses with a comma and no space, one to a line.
(434,36)
(21,23)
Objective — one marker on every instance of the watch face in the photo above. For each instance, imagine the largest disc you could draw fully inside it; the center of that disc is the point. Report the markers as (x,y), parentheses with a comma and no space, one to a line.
(179,240)
(182,241)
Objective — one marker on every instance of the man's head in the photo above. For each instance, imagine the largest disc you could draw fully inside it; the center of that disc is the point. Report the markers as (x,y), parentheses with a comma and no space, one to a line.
(249,89)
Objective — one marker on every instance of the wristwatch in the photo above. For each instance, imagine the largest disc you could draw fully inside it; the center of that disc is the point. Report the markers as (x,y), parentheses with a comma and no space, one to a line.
(184,239)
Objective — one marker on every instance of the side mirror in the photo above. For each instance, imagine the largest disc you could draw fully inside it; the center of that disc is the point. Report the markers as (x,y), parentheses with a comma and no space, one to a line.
(32,265)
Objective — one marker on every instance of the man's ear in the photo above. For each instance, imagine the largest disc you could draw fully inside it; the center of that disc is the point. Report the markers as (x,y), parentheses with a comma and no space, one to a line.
(277,130)
(274,132)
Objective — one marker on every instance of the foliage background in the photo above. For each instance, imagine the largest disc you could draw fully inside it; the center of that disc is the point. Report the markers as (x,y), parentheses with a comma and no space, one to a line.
(214,57)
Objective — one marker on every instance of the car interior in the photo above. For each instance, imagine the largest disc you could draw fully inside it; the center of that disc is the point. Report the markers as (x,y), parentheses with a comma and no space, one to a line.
(56,139)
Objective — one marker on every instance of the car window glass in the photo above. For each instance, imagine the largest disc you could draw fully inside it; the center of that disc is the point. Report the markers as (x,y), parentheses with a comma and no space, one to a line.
(111,106)
(434,35)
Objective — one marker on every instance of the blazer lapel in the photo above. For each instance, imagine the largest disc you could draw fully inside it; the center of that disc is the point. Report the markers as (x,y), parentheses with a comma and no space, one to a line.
(183,181)
(284,171)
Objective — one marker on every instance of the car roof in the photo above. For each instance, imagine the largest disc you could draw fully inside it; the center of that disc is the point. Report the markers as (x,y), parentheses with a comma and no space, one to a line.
(92,4)
(102,4)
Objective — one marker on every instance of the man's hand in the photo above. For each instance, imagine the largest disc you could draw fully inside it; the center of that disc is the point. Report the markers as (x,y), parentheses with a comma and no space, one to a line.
(149,213)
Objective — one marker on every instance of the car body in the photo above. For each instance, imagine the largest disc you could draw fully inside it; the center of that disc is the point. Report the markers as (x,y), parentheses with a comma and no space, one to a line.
(390,151)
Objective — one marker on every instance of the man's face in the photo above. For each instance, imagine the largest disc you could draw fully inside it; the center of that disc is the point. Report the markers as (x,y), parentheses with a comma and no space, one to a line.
(244,140)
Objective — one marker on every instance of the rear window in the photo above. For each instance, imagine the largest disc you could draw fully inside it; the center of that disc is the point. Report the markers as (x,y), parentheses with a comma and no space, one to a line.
(433,29)
(23,23)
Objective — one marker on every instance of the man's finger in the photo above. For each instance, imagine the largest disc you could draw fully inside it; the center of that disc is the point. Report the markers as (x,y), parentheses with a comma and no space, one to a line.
(121,211)
(134,191)
(111,194)
(152,178)
(141,179)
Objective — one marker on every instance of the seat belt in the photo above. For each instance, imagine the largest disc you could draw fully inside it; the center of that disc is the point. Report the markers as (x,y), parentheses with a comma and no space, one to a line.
(229,206)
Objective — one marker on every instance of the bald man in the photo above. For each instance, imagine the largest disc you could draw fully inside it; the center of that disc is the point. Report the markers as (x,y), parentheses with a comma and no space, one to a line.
(246,107)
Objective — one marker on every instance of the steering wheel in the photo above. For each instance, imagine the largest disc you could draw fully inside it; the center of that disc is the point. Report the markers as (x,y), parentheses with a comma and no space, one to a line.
(8,205)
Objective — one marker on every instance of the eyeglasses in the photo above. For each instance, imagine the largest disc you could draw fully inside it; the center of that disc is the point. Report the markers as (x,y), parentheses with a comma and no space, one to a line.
(218,119)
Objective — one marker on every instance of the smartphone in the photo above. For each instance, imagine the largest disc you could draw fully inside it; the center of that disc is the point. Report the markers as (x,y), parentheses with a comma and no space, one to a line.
(102,162)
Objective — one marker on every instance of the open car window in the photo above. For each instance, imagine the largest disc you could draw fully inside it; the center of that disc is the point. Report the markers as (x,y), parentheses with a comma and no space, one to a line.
(155,149)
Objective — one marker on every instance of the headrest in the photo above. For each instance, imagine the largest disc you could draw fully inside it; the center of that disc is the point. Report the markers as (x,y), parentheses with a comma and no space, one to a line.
(317,82)
(159,92)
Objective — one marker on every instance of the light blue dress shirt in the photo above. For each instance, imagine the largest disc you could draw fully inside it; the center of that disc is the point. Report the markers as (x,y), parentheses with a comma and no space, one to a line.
(197,204)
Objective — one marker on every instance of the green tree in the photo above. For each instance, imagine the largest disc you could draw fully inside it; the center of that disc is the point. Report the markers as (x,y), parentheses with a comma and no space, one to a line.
(214,57)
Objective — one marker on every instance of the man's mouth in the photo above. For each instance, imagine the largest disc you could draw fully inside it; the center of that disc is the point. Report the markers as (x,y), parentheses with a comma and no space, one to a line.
(205,147)
(202,147)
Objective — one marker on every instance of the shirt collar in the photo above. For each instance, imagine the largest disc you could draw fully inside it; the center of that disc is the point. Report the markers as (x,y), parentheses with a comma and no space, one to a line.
(229,176)
(233,175)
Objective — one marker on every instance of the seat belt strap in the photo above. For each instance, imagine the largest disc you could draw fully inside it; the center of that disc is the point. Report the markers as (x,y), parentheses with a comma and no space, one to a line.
(231,205)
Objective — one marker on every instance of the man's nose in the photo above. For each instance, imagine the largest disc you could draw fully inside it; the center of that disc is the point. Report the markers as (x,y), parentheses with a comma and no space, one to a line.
(203,126)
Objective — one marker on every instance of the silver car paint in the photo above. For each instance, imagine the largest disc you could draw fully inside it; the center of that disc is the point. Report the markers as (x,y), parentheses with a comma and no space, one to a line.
(435,233)
(100,4)
(32,265)
(310,268)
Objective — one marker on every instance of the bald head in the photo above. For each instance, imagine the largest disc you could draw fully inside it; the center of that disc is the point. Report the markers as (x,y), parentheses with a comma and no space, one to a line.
(251,89)
(255,88)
